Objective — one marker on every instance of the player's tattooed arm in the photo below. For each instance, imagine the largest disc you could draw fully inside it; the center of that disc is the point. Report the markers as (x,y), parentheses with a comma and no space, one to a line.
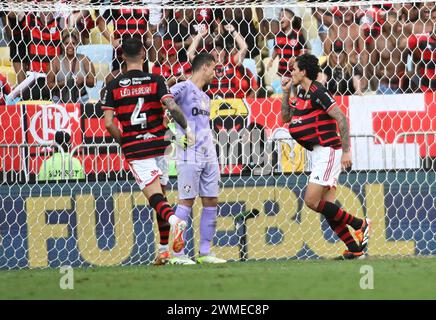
(176,112)
(344,130)
(287,112)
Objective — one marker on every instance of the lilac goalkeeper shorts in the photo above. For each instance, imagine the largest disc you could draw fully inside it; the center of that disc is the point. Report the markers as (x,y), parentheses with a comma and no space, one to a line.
(198,179)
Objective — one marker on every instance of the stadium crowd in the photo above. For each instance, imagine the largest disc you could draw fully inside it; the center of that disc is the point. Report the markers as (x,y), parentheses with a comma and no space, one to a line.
(382,49)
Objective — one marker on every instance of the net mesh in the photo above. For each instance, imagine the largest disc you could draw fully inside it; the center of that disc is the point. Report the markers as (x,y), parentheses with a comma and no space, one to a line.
(70,5)
(79,205)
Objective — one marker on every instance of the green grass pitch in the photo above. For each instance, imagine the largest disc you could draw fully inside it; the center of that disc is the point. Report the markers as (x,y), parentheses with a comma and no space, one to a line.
(412,278)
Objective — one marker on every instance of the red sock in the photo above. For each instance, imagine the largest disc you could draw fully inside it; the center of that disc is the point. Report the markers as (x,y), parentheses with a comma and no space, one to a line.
(332,212)
(344,234)
(164,230)
(162,207)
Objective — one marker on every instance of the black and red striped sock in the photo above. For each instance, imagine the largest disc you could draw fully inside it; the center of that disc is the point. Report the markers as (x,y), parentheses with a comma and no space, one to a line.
(333,212)
(344,234)
(161,205)
(164,230)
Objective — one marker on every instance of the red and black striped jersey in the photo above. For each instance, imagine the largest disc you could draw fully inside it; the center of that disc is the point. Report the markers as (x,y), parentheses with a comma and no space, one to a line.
(136,97)
(17,27)
(44,42)
(311,124)
(231,82)
(128,22)
(424,46)
(288,46)
(177,69)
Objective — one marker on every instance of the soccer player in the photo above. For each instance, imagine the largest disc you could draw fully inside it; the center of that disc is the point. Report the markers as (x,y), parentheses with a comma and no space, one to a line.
(198,170)
(314,119)
(137,97)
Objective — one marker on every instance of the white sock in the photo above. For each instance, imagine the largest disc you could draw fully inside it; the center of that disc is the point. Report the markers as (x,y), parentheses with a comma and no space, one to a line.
(173,220)
(163,248)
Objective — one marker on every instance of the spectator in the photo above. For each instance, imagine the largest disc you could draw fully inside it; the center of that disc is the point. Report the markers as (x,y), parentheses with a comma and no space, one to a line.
(45,37)
(289,43)
(232,79)
(269,22)
(70,73)
(426,18)
(407,12)
(127,23)
(44,45)
(340,79)
(18,42)
(61,165)
(82,21)
(171,68)
(181,30)
(4,89)
(242,21)
(390,55)
(423,48)
(325,19)
(371,23)
(345,29)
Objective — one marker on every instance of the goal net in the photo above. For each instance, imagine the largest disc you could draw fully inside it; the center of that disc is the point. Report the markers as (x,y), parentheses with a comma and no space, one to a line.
(67,196)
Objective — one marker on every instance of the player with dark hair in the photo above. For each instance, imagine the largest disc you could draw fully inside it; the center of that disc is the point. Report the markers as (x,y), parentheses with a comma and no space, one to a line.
(137,98)
(314,120)
(198,170)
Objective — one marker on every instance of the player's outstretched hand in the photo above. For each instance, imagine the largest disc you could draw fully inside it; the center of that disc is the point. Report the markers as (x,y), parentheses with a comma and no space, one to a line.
(286,84)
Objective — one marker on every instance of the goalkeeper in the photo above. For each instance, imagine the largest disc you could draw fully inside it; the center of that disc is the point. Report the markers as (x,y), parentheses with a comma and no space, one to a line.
(197,166)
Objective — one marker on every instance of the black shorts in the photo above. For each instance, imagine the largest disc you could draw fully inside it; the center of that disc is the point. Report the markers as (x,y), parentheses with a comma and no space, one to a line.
(18,50)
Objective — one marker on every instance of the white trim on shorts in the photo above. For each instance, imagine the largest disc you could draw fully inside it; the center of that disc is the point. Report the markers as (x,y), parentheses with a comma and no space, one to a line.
(146,171)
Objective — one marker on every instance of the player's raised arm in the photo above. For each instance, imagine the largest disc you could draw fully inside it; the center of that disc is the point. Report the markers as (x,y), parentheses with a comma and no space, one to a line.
(287,112)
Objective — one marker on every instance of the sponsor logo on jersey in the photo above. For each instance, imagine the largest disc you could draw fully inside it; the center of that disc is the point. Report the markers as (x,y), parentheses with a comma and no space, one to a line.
(200,112)
(125,82)
(187,188)
(136,81)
